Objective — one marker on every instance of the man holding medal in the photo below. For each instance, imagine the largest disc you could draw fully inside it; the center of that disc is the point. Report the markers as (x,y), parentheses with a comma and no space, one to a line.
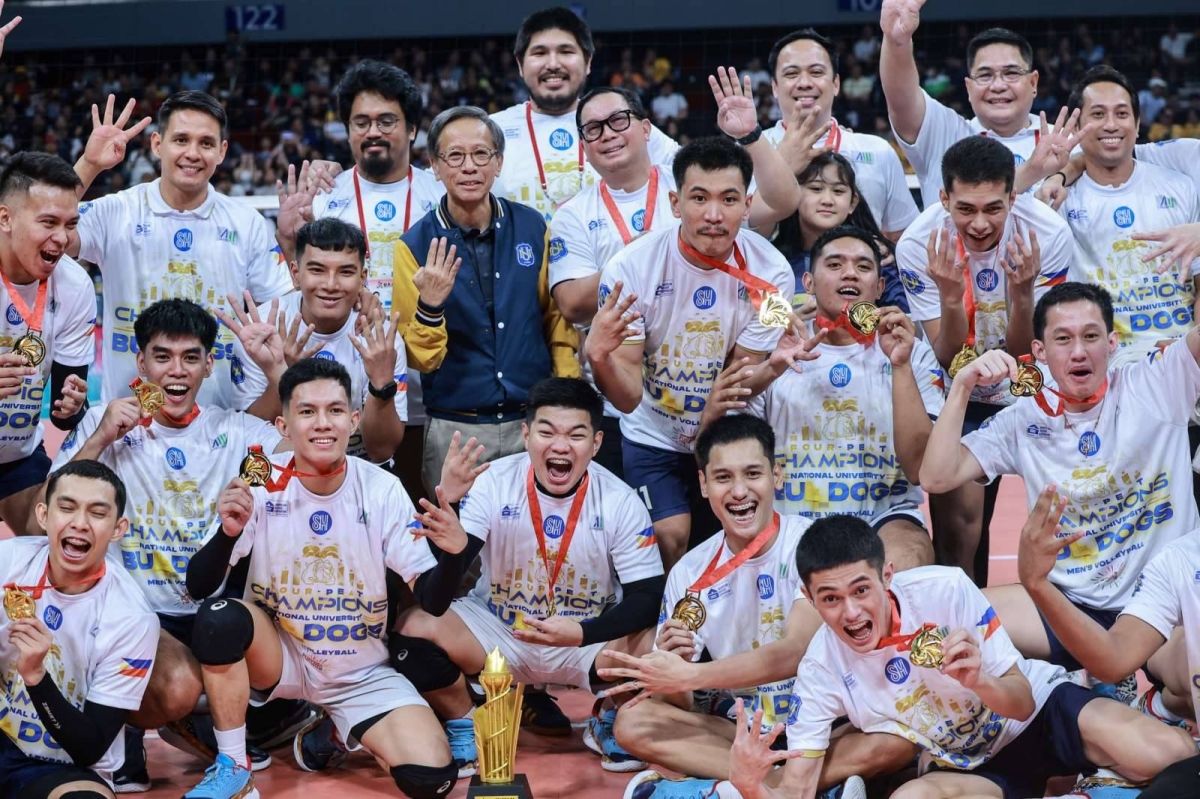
(47,343)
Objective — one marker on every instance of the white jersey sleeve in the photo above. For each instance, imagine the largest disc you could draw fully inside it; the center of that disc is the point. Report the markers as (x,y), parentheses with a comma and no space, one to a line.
(901,208)
(996,648)
(267,274)
(930,377)
(1180,155)
(1158,598)
(96,219)
(126,661)
(245,541)
(404,553)
(940,129)
(76,438)
(618,271)
(662,148)
(475,509)
(75,322)
(571,254)
(817,702)
(1173,377)
(994,444)
(677,585)
(924,302)
(632,546)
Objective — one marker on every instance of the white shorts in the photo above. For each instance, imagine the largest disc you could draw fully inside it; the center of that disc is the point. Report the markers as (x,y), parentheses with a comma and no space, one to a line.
(905,510)
(531,664)
(349,701)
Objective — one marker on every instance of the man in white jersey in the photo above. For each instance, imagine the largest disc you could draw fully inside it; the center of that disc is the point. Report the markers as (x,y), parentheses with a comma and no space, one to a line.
(320,536)
(1113,441)
(544,161)
(973,265)
(921,655)
(852,424)
(1153,302)
(330,274)
(76,643)
(693,294)
(47,328)
(804,79)
(588,576)
(176,237)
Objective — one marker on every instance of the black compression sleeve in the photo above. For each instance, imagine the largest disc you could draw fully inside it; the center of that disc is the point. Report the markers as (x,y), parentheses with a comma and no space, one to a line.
(58,377)
(85,734)
(637,610)
(209,566)
(435,589)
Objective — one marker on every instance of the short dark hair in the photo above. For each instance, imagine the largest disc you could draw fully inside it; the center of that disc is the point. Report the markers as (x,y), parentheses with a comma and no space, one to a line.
(203,102)
(557,18)
(332,234)
(175,318)
(834,541)
(565,392)
(388,81)
(309,370)
(25,169)
(845,232)
(999,36)
(978,159)
(712,153)
(1103,73)
(795,36)
(631,99)
(1072,291)
(732,429)
(92,470)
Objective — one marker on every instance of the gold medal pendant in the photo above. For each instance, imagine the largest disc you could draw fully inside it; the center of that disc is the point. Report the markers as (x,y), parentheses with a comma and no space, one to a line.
(774,311)
(1029,381)
(149,395)
(30,347)
(864,317)
(926,651)
(962,360)
(690,610)
(18,604)
(256,468)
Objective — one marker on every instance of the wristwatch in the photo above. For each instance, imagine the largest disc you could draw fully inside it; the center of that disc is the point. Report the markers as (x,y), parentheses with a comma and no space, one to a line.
(387,393)
(750,137)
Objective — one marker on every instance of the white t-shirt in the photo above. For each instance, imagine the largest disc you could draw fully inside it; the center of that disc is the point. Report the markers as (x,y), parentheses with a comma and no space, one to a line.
(68,332)
(1168,596)
(745,610)
(173,478)
(147,252)
(1124,465)
(877,172)
(318,566)
(883,692)
(1179,155)
(691,318)
(1149,307)
(559,147)
(834,432)
(613,543)
(249,382)
(103,651)
(989,278)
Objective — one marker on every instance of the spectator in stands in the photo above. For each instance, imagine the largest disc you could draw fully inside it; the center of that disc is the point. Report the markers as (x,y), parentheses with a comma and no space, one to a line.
(1174,44)
(866,47)
(669,104)
(1153,99)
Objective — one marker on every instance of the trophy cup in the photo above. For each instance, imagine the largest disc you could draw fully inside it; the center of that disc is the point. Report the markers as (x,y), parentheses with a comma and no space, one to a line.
(497,723)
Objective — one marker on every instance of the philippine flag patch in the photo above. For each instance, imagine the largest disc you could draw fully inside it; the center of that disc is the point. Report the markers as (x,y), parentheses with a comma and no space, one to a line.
(990,623)
(646,538)
(135,668)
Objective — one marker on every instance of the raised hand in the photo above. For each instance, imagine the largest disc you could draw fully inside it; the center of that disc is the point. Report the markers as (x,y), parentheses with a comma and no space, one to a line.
(1053,192)
(1041,539)
(899,19)
(33,640)
(295,339)
(798,147)
(13,371)
(962,658)
(988,370)
(944,266)
(736,113)
(727,393)
(295,201)
(1054,145)
(235,506)
(8,28)
(613,323)
(793,349)
(120,416)
(896,334)
(105,148)
(1024,261)
(440,524)
(260,339)
(461,467)
(1179,246)
(378,350)
(752,757)
(436,278)
(74,395)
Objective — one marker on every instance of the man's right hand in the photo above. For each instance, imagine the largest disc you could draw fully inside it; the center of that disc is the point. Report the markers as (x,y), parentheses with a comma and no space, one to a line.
(234,507)
(1041,540)
(677,638)
(435,279)
(119,418)
(1053,192)
(295,202)
(460,468)
(899,19)
(13,372)
(8,28)
(987,370)
(612,324)
(945,269)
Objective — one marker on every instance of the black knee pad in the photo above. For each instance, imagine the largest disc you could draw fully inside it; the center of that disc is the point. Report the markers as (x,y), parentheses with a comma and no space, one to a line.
(425,664)
(223,632)
(425,782)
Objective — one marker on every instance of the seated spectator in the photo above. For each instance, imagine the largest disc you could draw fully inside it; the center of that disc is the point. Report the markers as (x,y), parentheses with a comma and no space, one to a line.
(669,104)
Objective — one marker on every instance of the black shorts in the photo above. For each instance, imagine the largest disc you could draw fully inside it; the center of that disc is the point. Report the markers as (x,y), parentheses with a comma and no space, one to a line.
(609,455)
(19,772)
(178,627)
(1059,655)
(24,473)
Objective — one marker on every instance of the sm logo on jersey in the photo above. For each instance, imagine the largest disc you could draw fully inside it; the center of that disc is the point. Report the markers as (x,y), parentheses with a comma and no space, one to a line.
(320,522)
(385,211)
(639,220)
(325,355)
(175,458)
(987,279)
(1123,217)
(839,375)
(705,297)
(553,527)
(897,671)
(183,239)
(53,617)
(766,586)
(13,316)
(561,139)
(1089,444)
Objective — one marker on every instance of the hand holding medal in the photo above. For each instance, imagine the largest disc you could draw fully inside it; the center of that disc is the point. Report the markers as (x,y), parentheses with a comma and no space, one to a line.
(961,656)
(30,346)
(150,396)
(256,468)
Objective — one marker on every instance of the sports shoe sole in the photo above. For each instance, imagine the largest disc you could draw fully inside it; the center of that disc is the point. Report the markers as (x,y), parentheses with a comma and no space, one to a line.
(288,733)
(136,786)
(854,788)
(193,746)
(645,776)
(298,745)
(607,763)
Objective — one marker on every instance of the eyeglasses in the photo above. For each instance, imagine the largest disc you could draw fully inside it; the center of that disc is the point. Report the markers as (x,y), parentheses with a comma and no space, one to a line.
(592,131)
(386,123)
(986,77)
(457,158)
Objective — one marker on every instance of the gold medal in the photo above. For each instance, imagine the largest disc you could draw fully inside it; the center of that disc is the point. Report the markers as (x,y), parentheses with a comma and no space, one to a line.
(926,651)
(1029,381)
(864,317)
(256,468)
(30,347)
(774,311)
(18,604)
(962,360)
(690,610)
(149,395)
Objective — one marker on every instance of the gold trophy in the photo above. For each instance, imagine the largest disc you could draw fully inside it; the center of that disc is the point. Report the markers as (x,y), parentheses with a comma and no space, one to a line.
(497,723)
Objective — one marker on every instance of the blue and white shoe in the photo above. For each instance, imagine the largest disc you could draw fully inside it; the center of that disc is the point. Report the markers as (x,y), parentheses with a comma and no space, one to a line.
(1145,703)
(461,735)
(316,746)
(853,788)
(1104,784)
(598,736)
(1124,691)
(653,785)
(225,779)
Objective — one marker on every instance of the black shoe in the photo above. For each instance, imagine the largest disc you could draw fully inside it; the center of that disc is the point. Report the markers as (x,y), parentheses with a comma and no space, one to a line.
(542,715)
(132,777)
(282,730)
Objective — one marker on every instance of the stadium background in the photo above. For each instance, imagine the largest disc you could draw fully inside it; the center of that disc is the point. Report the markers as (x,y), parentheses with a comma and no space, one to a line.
(274,64)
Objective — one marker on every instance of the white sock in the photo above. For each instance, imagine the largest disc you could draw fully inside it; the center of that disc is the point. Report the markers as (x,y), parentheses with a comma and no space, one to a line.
(233,744)
(470,714)
(1160,708)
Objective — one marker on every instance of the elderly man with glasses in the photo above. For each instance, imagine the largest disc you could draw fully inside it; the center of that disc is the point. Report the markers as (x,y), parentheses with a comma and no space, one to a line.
(484,329)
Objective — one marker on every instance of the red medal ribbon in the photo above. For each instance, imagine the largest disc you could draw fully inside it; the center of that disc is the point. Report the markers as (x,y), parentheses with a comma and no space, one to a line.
(759,288)
(537,154)
(33,319)
(362,219)
(1063,399)
(615,213)
(901,642)
(714,574)
(290,471)
(535,511)
(843,321)
(969,305)
(833,140)
(36,591)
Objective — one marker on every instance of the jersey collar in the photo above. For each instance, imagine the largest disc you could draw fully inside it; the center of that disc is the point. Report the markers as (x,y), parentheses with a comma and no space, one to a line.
(159,206)
(1033,127)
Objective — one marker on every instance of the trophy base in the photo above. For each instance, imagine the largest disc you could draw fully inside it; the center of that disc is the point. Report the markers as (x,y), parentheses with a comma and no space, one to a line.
(517,789)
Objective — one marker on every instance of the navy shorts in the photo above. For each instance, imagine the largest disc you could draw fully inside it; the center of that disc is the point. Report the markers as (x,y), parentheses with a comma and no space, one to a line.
(611,450)
(18,771)
(24,473)
(978,413)
(1059,655)
(178,627)
(667,481)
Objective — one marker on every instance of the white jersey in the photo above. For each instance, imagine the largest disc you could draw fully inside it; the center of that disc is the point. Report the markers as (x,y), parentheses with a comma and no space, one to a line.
(745,610)
(68,332)
(941,128)
(318,565)
(882,691)
(561,153)
(989,278)
(1168,596)
(834,432)
(613,543)
(249,382)
(173,478)
(103,651)
(877,172)
(1124,465)
(1149,307)
(148,251)
(1179,155)
(691,319)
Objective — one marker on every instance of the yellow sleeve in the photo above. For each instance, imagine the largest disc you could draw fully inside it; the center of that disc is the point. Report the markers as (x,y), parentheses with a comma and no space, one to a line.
(561,334)
(426,345)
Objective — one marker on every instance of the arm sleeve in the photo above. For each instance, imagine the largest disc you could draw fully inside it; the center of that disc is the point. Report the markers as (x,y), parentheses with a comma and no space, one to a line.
(85,735)
(940,129)
(901,209)
(404,553)
(207,568)
(75,333)
(425,337)
(267,275)
(634,612)
(1056,255)
(817,703)
(571,254)
(662,147)
(923,300)
(893,287)
(1156,600)
(1180,155)
(675,588)
(435,589)
(560,334)
(257,431)
(58,377)
(475,507)
(994,444)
